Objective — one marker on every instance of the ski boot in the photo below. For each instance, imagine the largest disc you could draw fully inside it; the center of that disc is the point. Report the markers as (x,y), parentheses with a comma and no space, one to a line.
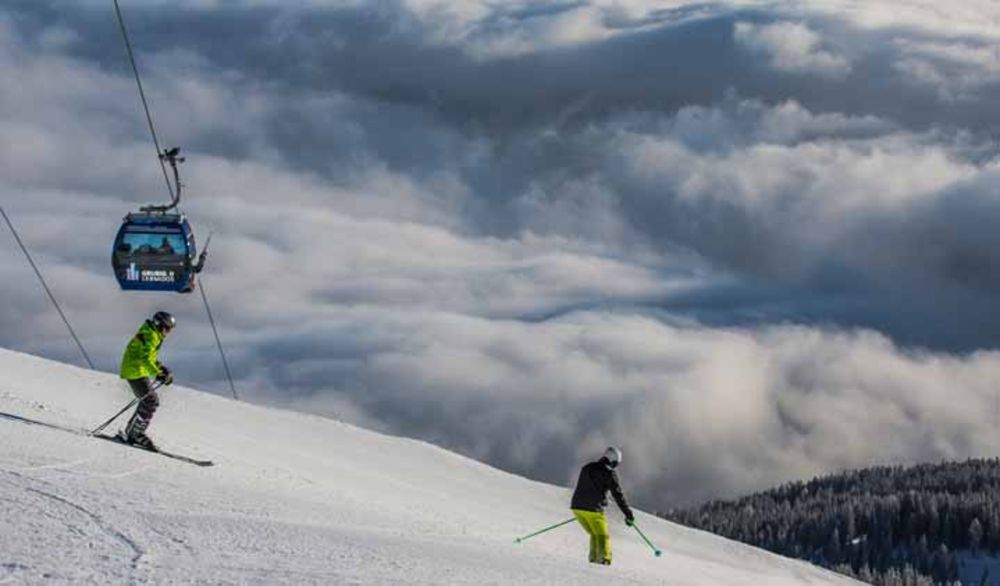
(139,440)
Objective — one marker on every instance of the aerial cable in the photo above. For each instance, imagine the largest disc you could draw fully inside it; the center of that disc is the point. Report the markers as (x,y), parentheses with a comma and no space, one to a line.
(218,342)
(45,285)
(160,154)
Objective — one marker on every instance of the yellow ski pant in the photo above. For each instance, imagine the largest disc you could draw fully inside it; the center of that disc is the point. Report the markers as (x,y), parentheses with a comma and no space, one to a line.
(596,525)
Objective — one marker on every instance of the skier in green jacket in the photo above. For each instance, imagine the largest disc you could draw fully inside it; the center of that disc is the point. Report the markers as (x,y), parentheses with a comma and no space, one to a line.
(140,364)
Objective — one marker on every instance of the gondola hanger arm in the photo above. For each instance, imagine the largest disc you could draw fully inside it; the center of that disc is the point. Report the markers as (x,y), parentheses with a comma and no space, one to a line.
(170,156)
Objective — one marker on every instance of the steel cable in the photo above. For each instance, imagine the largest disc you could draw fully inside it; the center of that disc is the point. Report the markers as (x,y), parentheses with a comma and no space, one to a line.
(45,285)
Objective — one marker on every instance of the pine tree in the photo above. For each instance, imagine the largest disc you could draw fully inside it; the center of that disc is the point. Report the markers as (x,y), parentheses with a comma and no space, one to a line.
(975,534)
(833,551)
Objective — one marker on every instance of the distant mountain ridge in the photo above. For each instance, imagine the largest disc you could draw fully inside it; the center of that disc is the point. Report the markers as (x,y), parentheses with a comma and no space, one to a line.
(924,524)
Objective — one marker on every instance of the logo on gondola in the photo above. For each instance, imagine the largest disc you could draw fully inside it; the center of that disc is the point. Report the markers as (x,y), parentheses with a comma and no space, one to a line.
(132,273)
(158,276)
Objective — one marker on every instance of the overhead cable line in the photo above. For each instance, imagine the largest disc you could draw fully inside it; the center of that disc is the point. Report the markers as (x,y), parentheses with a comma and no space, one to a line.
(45,285)
(142,96)
(218,342)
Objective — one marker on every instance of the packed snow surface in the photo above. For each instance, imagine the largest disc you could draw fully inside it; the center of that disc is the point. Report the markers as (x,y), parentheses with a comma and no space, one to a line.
(295,498)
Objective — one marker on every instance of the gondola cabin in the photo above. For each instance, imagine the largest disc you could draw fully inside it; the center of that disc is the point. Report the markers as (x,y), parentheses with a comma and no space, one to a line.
(155,252)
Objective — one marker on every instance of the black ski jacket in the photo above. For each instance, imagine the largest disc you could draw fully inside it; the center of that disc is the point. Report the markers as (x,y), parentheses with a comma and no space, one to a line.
(591,494)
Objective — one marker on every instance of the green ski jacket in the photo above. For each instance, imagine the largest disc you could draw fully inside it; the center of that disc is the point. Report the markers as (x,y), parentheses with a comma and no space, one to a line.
(140,359)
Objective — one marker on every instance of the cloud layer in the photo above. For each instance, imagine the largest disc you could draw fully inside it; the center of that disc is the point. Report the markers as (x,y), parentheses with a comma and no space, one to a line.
(791,47)
(713,234)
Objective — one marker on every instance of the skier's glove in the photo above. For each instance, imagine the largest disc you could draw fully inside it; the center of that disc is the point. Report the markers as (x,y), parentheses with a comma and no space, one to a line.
(165,377)
(630,521)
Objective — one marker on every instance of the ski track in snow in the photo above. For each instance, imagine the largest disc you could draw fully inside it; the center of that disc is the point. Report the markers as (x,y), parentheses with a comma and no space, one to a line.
(53,466)
(311,501)
(67,512)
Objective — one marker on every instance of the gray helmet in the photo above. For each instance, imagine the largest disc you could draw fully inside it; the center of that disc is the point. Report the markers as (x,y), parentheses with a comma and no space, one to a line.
(163,321)
(613,455)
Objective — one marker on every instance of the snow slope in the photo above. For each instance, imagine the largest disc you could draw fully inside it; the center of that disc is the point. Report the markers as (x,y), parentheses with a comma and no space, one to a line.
(295,498)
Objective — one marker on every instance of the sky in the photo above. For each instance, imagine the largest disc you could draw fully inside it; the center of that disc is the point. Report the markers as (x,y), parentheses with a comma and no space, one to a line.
(747,242)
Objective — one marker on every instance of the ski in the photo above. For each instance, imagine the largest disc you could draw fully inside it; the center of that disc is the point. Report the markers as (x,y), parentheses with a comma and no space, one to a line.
(20,419)
(112,438)
(118,440)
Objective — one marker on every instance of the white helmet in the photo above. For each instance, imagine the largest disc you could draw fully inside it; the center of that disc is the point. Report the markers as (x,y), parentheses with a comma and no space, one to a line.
(614,455)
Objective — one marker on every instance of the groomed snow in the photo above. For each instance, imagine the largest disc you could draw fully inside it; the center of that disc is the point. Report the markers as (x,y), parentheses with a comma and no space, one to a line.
(296,499)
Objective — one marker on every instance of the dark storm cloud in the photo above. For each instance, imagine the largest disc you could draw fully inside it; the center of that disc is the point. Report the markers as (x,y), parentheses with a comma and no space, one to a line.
(385,51)
(527,230)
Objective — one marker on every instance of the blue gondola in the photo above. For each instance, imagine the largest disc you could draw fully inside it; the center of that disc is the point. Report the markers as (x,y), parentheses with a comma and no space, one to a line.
(155,252)
(155,248)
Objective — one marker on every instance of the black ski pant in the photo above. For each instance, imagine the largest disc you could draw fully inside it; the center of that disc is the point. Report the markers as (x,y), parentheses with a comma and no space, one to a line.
(142,387)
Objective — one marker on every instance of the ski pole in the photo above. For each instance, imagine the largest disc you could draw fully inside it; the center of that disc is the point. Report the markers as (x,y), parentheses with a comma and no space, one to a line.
(125,408)
(556,526)
(656,551)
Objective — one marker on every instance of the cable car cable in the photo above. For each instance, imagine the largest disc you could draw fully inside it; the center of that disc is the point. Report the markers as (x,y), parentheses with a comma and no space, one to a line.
(145,105)
(218,342)
(45,285)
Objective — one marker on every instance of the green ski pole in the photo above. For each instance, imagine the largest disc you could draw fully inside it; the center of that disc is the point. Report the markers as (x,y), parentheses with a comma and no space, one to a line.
(656,552)
(556,526)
